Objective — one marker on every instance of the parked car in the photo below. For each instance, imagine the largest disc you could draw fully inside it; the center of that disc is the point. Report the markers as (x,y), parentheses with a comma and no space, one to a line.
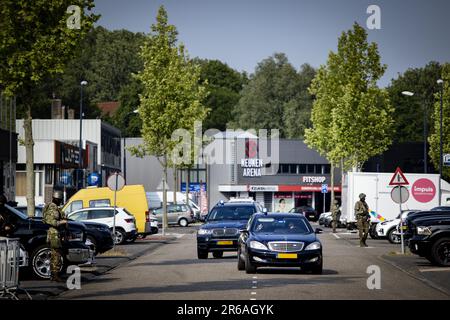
(323,217)
(98,235)
(441,208)
(32,233)
(309,212)
(180,214)
(279,240)
(408,221)
(221,231)
(132,197)
(125,221)
(431,238)
(389,229)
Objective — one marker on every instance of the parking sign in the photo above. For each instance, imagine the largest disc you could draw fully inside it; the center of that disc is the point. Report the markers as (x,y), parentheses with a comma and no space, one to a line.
(324,188)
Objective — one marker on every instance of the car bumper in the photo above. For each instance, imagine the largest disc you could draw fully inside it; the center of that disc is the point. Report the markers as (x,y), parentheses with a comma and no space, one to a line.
(419,246)
(217,244)
(276,259)
(77,253)
(132,234)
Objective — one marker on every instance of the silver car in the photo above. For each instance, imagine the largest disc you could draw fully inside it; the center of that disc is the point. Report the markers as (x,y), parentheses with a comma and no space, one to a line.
(180,214)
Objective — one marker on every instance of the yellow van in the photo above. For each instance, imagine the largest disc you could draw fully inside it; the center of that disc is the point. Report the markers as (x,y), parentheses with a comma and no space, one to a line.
(131,197)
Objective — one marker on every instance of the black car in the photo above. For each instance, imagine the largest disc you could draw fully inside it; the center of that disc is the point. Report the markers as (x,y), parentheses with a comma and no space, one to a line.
(408,222)
(309,212)
(98,235)
(431,238)
(279,240)
(32,233)
(221,231)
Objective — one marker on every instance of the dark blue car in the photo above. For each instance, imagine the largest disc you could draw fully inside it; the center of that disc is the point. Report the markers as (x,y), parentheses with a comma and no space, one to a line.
(279,240)
(222,228)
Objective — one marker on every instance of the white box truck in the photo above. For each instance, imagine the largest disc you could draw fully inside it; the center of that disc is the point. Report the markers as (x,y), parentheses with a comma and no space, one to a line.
(423,194)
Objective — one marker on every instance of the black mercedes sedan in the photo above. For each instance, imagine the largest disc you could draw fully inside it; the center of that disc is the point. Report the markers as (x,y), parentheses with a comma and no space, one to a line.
(279,240)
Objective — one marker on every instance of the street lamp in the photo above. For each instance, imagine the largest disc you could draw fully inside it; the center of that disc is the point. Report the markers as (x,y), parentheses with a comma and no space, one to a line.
(441,83)
(425,157)
(125,144)
(80,162)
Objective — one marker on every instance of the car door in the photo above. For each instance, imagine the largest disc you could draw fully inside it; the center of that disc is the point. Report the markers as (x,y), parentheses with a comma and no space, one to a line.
(172,213)
(102,216)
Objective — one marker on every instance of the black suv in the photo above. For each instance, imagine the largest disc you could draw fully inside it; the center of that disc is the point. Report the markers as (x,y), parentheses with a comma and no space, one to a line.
(222,228)
(32,233)
(309,212)
(431,238)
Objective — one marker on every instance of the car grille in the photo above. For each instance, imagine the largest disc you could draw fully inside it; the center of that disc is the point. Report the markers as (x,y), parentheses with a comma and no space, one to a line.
(225,232)
(286,246)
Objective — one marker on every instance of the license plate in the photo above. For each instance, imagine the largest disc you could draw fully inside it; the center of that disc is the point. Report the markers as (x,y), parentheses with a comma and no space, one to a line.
(224,243)
(287,256)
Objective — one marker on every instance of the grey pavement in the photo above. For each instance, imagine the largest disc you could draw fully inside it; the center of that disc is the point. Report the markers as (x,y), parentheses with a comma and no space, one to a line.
(173,271)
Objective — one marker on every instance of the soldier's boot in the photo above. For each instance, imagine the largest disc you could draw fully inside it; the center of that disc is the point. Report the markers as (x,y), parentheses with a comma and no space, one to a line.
(56,278)
(362,244)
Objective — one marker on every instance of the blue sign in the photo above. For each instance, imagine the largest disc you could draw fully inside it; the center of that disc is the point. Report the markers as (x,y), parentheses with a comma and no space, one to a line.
(94,179)
(193,187)
(66,179)
(324,188)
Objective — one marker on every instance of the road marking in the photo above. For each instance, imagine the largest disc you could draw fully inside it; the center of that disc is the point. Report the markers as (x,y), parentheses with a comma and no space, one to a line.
(252,299)
(434,269)
(255,277)
(336,236)
(253,293)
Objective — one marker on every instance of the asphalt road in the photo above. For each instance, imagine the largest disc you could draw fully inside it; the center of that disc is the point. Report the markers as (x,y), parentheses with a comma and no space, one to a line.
(172,271)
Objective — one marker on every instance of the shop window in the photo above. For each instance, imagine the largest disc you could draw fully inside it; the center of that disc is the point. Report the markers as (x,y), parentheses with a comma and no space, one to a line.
(302,168)
(284,168)
(311,168)
(293,169)
(49,175)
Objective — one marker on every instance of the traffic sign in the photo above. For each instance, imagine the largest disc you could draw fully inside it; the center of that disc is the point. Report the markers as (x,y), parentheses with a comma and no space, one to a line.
(399,194)
(446,159)
(324,188)
(94,179)
(115,182)
(398,179)
(66,179)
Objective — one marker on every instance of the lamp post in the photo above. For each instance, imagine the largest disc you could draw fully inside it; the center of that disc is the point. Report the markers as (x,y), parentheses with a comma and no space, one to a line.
(80,162)
(125,145)
(441,83)
(425,157)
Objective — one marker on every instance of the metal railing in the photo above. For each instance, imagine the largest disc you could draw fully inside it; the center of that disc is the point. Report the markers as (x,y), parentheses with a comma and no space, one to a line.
(9,268)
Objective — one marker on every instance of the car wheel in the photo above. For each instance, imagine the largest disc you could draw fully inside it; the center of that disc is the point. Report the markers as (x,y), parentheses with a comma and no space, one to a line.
(217,254)
(249,266)
(119,236)
(183,222)
(317,269)
(440,252)
(202,254)
(240,263)
(40,262)
(91,243)
(393,238)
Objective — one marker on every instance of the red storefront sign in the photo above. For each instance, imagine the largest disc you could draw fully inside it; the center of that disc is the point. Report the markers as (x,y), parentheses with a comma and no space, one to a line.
(312,188)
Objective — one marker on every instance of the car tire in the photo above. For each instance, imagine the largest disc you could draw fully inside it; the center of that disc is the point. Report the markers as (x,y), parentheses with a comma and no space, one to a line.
(40,262)
(120,236)
(393,238)
(217,254)
(440,252)
(249,266)
(317,269)
(240,263)
(202,254)
(183,222)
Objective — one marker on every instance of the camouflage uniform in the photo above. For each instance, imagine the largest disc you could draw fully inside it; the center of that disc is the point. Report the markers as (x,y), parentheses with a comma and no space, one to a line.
(4,223)
(362,216)
(335,213)
(53,217)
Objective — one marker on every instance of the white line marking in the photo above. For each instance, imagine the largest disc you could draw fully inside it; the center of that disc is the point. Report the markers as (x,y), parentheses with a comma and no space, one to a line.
(255,277)
(253,293)
(252,299)
(336,236)
(434,269)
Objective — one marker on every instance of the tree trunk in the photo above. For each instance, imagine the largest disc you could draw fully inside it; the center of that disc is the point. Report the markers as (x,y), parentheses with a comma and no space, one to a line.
(165,224)
(187,184)
(332,185)
(29,146)
(175,183)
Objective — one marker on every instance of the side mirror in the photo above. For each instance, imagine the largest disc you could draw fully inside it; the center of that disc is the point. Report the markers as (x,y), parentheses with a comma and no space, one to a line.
(318,231)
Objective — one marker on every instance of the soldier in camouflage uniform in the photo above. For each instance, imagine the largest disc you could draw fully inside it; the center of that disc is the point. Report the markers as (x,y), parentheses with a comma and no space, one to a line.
(336,214)
(53,216)
(363,217)
(5,226)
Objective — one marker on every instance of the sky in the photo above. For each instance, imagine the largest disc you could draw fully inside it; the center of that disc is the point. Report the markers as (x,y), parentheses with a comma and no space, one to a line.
(241,33)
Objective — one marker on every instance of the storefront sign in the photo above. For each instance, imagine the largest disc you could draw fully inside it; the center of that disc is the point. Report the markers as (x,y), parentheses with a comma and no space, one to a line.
(314,179)
(262,188)
(423,190)
(251,167)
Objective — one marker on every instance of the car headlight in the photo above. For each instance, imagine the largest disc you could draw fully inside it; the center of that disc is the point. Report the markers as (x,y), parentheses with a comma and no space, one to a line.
(257,245)
(314,246)
(75,236)
(204,231)
(424,231)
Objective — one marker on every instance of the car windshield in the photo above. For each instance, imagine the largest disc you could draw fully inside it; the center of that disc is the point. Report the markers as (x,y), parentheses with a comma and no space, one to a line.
(231,213)
(280,225)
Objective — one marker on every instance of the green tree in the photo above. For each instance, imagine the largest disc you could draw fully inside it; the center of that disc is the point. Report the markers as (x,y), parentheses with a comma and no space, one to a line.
(125,119)
(410,111)
(35,44)
(171,98)
(224,87)
(434,138)
(351,116)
